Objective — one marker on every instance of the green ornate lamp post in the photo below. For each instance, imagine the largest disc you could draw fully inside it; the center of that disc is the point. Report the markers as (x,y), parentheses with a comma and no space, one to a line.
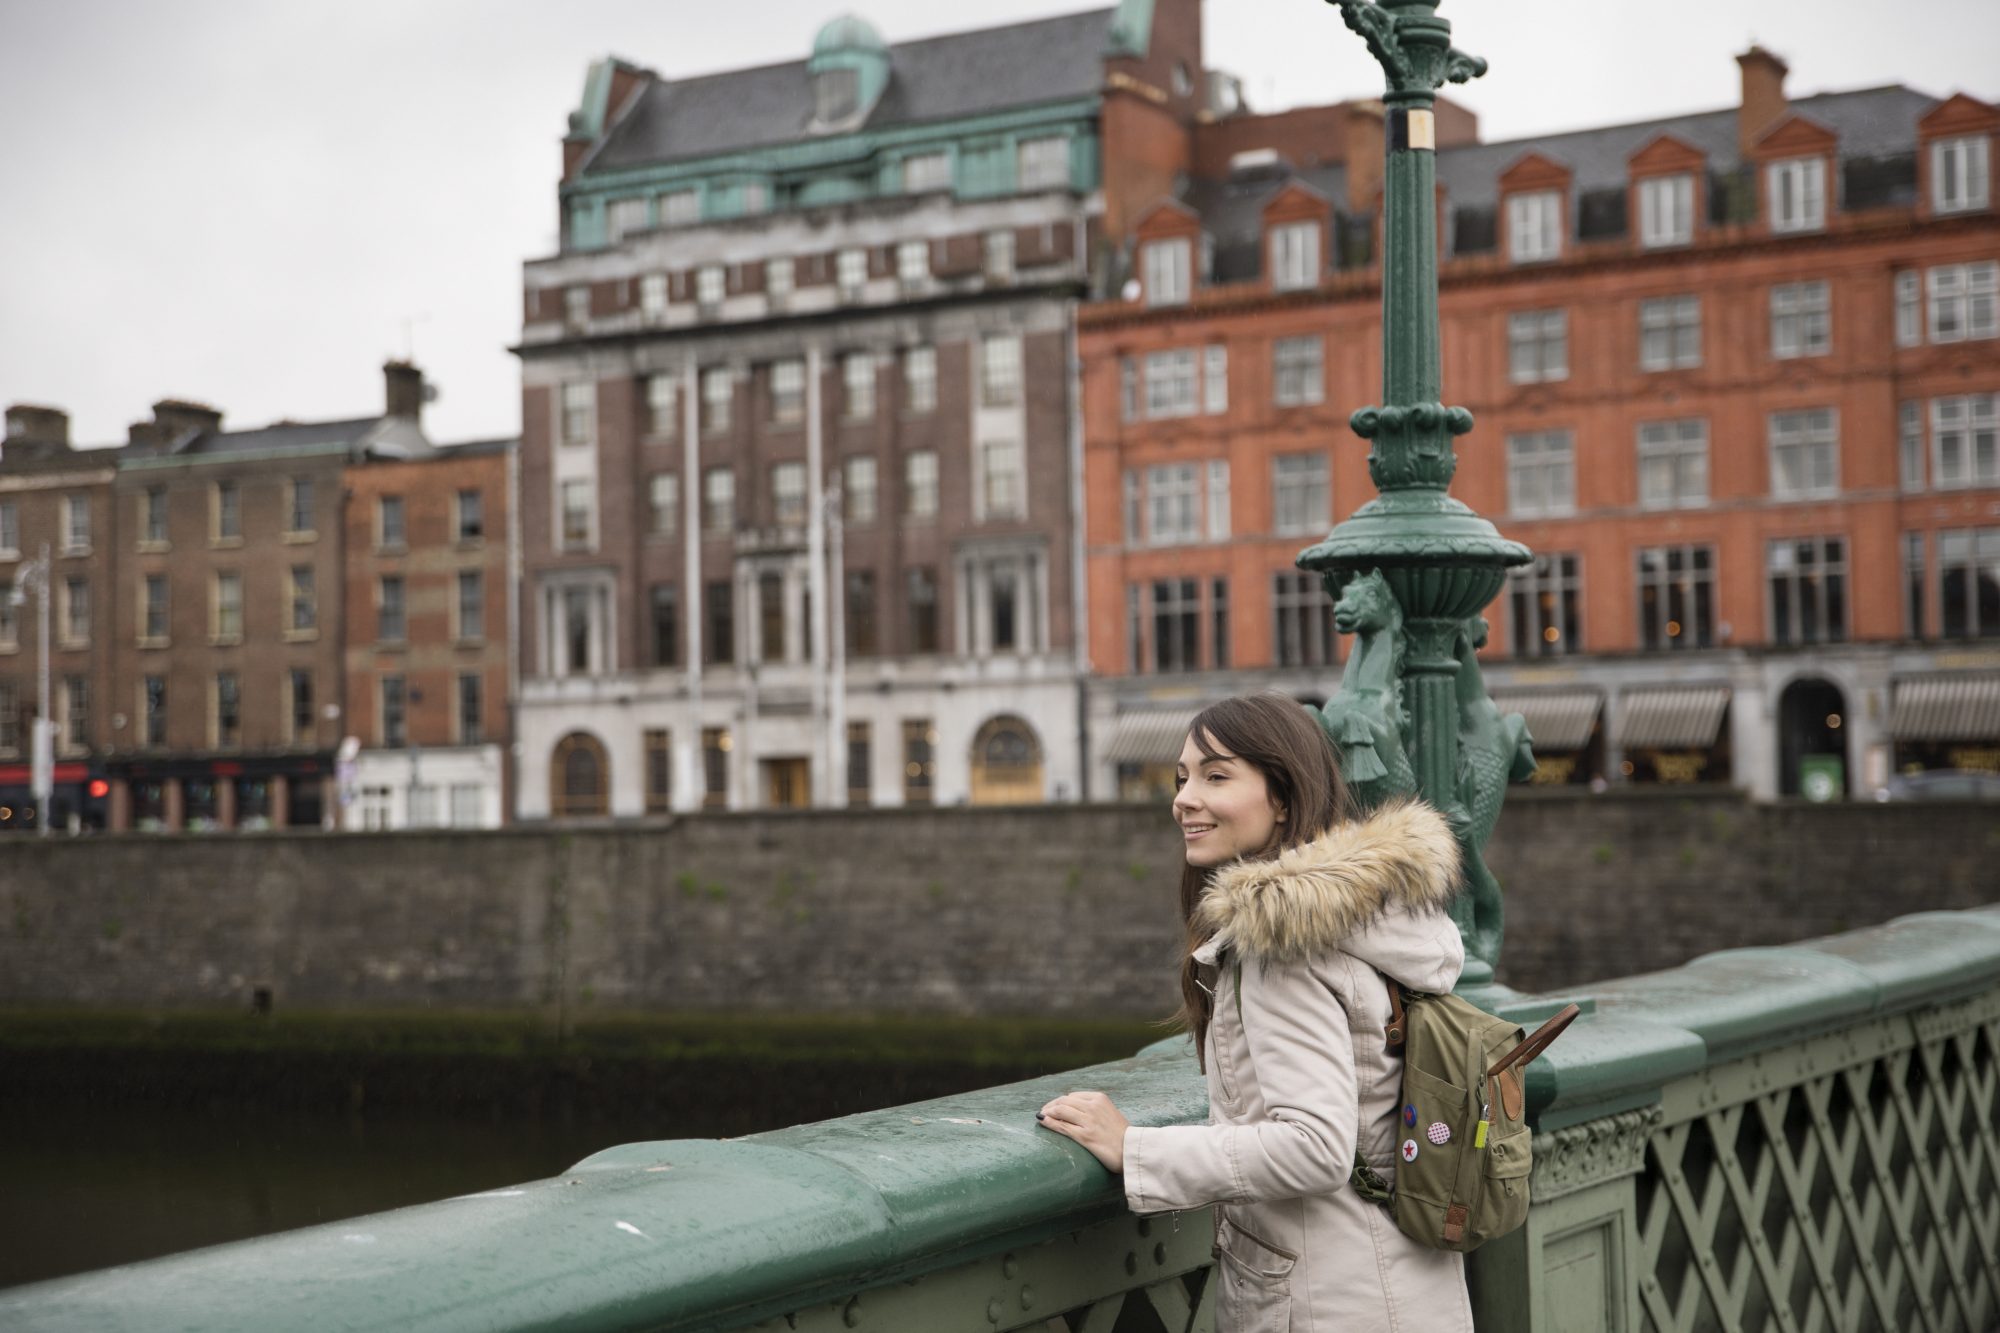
(1413,567)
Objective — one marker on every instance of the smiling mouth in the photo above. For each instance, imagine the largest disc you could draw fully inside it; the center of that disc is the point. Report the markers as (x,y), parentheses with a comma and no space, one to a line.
(1196,830)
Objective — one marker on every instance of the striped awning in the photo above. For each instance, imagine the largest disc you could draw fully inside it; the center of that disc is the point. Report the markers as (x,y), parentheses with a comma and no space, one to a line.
(1671,718)
(1153,736)
(1557,721)
(1963,706)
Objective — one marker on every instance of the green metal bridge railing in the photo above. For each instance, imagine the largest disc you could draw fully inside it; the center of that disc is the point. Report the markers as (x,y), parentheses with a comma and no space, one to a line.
(1804,1138)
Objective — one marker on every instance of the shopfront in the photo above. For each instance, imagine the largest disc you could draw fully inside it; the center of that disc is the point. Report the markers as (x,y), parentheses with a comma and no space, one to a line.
(1565,726)
(1673,734)
(1946,721)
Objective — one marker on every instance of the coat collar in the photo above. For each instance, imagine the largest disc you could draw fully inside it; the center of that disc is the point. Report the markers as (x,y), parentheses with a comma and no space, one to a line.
(1311,898)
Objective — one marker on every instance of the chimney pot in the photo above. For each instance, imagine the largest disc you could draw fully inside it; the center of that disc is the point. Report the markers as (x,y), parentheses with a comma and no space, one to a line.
(403,385)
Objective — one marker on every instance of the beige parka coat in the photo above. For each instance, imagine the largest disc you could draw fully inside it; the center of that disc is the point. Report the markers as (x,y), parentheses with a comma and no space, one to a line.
(1298,1075)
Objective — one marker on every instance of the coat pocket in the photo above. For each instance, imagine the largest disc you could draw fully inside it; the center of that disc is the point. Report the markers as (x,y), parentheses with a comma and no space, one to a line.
(1425,1176)
(1256,1277)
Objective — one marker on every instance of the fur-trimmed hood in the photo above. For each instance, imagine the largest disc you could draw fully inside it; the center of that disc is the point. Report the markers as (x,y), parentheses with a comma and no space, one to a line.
(1376,887)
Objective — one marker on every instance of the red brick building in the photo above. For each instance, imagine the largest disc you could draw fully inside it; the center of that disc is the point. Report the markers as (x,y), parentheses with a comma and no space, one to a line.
(1735,376)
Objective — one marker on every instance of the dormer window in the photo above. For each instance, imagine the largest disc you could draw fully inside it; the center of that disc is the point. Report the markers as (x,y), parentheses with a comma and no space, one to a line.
(1044,164)
(1534,226)
(926,172)
(679,208)
(1666,211)
(1169,267)
(1960,174)
(1294,256)
(836,94)
(1795,192)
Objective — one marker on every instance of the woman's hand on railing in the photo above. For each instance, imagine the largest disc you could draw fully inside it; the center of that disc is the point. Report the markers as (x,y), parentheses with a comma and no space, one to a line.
(1093,1121)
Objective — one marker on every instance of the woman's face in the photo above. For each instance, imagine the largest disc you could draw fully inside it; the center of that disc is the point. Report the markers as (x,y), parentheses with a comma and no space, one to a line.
(1223,806)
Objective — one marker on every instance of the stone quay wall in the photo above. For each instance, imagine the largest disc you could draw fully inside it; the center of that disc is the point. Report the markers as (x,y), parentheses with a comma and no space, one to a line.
(1052,911)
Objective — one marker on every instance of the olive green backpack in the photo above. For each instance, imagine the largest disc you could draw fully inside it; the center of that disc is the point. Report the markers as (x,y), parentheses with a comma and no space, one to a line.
(1461,1135)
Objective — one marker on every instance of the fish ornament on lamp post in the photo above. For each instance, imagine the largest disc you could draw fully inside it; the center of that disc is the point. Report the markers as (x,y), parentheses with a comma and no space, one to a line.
(1411,569)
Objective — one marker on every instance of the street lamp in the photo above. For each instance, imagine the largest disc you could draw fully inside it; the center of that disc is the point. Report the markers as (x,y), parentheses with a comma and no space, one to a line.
(42,766)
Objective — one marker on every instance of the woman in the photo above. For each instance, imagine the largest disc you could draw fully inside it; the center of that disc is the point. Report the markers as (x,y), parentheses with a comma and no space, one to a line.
(1295,912)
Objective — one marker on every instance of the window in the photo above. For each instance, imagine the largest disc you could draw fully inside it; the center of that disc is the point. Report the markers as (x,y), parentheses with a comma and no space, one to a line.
(920,599)
(662,406)
(389,532)
(1003,605)
(1912,547)
(926,171)
(857,489)
(663,605)
(1808,583)
(920,484)
(228,710)
(10,716)
(1215,378)
(1000,369)
(1541,474)
(395,719)
(76,712)
(653,297)
(719,634)
(858,612)
(860,764)
(836,93)
(153,610)
(578,505)
(1676,596)
(788,392)
(913,264)
(778,276)
(10,522)
(1965,441)
(1960,174)
(770,617)
(715,749)
(76,520)
(1795,192)
(857,373)
(576,307)
(1910,446)
(920,379)
(302,509)
(1300,494)
(1218,613)
(579,412)
(718,501)
(1218,499)
(1805,454)
(1298,368)
(1801,320)
(1909,309)
(1176,625)
(226,611)
(1173,508)
(1000,255)
(1001,492)
(75,616)
(1302,617)
(1044,164)
(1673,464)
(575,634)
(1969,582)
(1534,226)
(1168,266)
(1170,386)
(1670,333)
(471,516)
(626,216)
(471,605)
(153,710)
(1666,211)
(718,389)
(850,273)
(919,761)
(678,208)
(304,618)
(389,620)
(659,771)
(1542,602)
(753,198)
(152,518)
(1128,388)
(300,693)
(1295,255)
(1963,301)
(10,617)
(788,494)
(664,493)
(1537,346)
(710,286)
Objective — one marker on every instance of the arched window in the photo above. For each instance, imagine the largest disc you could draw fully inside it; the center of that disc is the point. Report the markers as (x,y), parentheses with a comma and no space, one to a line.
(579,778)
(1006,763)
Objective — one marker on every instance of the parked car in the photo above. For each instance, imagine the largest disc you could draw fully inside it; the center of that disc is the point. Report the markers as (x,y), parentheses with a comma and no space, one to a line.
(1942,784)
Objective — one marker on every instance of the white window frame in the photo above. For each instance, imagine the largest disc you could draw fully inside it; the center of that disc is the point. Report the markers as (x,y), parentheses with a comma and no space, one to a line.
(998,252)
(1537,346)
(585,538)
(913,265)
(76,521)
(1910,450)
(1795,193)
(1215,379)
(653,297)
(1170,384)
(1169,271)
(1961,173)
(920,379)
(1970,425)
(1000,369)
(788,392)
(577,411)
(1002,477)
(718,501)
(1969,296)
(1298,370)
(857,382)
(1810,438)
(924,172)
(1909,308)
(1541,474)
(1295,255)
(788,494)
(1801,319)
(623,217)
(920,484)
(680,208)
(1301,493)
(1666,211)
(1218,499)
(860,495)
(1173,504)
(711,286)
(1042,163)
(663,490)
(1674,453)
(663,401)
(850,273)
(718,397)
(1535,226)
(1664,323)
(778,281)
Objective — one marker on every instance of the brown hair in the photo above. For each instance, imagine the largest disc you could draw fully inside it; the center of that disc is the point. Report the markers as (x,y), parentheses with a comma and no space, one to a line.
(1284,742)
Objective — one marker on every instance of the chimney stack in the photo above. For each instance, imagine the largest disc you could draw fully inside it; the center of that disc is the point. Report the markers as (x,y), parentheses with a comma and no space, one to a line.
(28,424)
(1362,150)
(403,386)
(1763,95)
(174,418)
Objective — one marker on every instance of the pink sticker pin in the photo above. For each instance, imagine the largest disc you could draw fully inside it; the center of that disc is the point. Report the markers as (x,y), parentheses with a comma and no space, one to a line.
(1439,1133)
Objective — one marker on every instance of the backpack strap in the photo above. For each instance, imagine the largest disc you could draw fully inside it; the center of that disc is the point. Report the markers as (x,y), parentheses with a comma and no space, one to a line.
(1393,1034)
(1537,1041)
(1362,1178)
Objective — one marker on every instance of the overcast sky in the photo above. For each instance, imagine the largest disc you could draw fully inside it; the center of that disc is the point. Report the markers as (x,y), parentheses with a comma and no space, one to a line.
(253,202)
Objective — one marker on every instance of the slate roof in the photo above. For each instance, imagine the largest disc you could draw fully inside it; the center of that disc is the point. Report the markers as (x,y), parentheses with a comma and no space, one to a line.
(936,78)
(376,436)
